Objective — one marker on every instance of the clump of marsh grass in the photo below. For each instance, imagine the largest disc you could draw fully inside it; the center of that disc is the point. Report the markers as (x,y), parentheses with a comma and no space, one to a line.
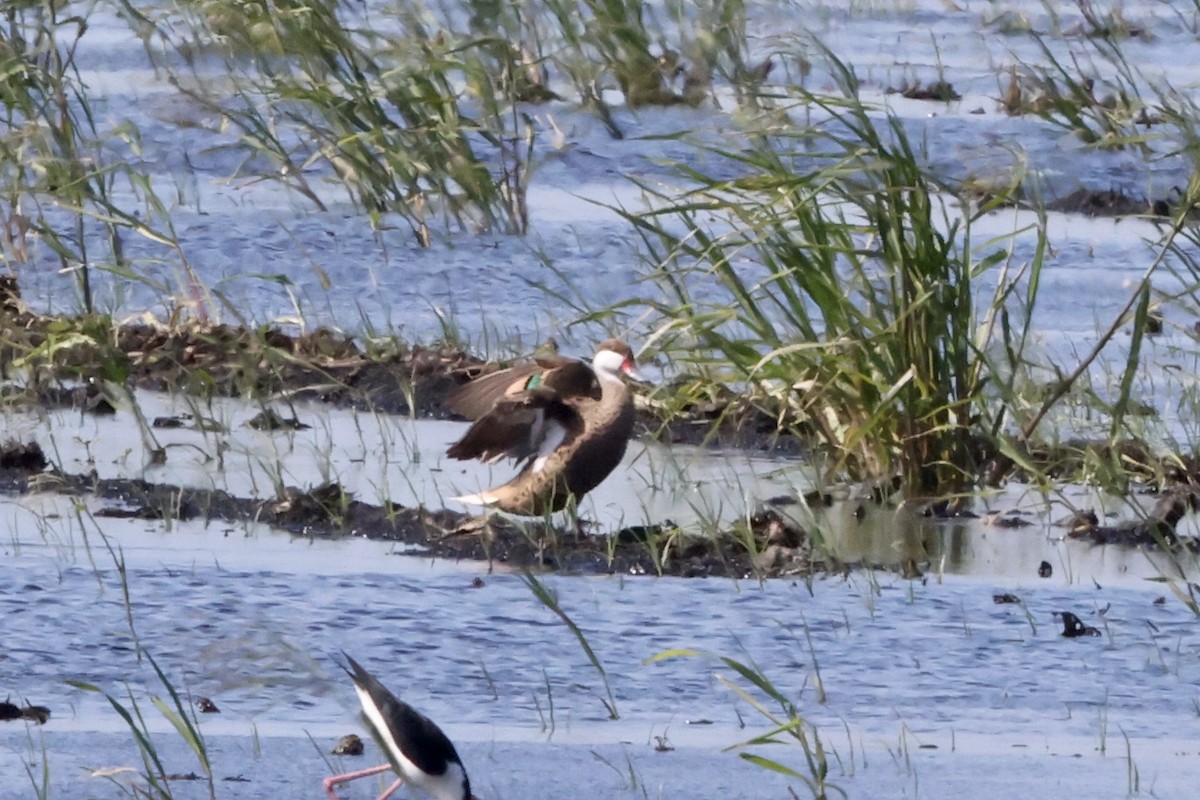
(1108,24)
(654,56)
(314,91)
(182,719)
(789,727)
(1092,89)
(1108,114)
(834,286)
(65,178)
(832,283)
(611,39)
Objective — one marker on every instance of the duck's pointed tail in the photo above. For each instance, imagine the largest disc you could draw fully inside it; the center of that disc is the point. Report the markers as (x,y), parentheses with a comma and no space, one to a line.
(487,498)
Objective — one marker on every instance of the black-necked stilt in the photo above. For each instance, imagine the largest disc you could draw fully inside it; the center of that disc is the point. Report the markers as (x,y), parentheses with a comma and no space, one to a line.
(417,749)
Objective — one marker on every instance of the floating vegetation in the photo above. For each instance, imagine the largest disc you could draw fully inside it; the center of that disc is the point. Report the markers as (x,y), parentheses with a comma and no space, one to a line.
(939,90)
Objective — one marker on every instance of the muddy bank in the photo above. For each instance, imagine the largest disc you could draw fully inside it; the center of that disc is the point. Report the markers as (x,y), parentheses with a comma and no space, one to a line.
(766,547)
(68,360)
(73,361)
(80,362)
(768,544)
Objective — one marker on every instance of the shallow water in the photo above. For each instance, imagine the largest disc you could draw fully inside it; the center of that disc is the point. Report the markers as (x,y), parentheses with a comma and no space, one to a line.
(380,458)
(249,617)
(235,232)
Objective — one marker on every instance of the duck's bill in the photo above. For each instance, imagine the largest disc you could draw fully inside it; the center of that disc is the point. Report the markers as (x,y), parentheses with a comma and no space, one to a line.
(630,370)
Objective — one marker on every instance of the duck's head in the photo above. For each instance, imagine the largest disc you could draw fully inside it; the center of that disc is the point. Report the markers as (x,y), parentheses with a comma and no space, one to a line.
(615,358)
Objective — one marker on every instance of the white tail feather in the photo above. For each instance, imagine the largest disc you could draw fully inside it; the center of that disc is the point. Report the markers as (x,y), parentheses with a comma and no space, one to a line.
(480,499)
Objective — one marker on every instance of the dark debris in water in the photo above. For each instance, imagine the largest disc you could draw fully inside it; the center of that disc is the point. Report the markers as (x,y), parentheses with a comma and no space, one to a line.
(272,420)
(1011,519)
(187,421)
(940,91)
(88,397)
(1080,521)
(957,507)
(1073,626)
(1157,529)
(23,457)
(348,745)
(10,711)
(206,706)
(10,295)
(324,504)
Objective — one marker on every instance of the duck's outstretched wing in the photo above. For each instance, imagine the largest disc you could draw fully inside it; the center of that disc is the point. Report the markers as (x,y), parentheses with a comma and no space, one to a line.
(523,413)
(476,398)
(514,428)
(566,378)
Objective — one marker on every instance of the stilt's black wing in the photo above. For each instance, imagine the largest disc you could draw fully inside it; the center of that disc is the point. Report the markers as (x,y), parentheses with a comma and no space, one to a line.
(416,736)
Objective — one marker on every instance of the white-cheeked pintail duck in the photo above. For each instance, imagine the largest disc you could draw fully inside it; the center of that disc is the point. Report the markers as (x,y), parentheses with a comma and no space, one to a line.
(568,423)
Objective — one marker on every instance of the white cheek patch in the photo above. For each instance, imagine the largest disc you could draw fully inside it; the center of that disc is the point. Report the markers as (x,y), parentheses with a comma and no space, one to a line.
(607,363)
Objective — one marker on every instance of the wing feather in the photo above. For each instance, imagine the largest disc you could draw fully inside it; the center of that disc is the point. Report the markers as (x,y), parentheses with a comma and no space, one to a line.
(523,412)
(476,398)
(508,430)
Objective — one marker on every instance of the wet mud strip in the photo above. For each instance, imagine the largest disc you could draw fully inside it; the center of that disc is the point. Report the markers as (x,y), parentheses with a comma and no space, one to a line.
(768,547)
(1100,203)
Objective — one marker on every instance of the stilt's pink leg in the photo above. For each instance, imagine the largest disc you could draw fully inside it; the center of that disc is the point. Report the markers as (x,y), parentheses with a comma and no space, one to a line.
(334,780)
(391,789)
